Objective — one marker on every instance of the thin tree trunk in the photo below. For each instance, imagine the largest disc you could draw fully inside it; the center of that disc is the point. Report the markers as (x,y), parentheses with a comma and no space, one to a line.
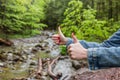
(116,11)
(110,10)
(92,4)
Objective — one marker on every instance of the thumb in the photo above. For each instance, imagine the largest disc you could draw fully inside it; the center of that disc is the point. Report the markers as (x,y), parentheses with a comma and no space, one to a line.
(75,38)
(60,33)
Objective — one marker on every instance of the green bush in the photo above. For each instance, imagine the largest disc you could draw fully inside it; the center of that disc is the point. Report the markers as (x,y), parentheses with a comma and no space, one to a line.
(63,50)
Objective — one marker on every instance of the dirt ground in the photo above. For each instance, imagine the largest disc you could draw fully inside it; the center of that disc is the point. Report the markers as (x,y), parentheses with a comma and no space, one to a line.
(102,74)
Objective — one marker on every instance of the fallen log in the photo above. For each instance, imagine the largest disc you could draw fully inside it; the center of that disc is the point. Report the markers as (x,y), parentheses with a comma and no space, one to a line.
(6,42)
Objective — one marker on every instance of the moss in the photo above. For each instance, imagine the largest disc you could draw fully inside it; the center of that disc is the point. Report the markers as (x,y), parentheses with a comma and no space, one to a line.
(7,74)
(42,55)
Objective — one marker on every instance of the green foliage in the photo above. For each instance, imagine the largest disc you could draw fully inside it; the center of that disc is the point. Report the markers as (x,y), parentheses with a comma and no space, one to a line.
(91,28)
(21,16)
(73,14)
(84,24)
(68,30)
(63,50)
(54,11)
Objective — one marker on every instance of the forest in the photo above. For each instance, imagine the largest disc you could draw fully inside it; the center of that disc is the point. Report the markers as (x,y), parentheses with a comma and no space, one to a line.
(95,18)
(26,27)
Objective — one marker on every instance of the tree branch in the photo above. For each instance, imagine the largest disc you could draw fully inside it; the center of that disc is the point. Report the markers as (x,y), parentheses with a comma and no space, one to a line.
(51,74)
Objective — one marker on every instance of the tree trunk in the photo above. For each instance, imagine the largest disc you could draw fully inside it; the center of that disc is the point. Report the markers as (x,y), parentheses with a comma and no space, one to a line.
(110,10)
(92,4)
(116,11)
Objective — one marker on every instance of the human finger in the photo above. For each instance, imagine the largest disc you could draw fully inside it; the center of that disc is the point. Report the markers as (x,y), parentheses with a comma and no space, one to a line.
(56,36)
(60,32)
(75,38)
(55,39)
(70,50)
(72,57)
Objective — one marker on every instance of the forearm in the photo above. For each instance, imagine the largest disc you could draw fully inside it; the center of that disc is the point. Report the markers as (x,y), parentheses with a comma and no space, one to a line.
(103,57)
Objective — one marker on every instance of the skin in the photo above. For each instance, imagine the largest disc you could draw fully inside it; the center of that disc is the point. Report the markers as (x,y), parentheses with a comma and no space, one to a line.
(76,50)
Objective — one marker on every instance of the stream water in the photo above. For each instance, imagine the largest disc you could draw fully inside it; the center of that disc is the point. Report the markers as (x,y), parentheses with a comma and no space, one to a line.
(19,62)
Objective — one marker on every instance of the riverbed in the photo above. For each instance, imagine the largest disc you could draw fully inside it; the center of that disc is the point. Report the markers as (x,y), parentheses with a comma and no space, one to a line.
(20,61)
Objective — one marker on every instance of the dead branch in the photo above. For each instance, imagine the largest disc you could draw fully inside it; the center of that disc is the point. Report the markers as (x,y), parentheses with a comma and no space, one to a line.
(65,77)
(50,73)
(39,70)
(38,73)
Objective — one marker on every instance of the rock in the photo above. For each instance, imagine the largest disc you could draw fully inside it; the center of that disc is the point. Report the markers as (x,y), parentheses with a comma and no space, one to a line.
(33,63)
(2,51)
(10,51)
(76,64)
(10,56)
(24,57)
(44,73)
(27,52)
(63,57)
(3,57)
(47,51)
(1,64)
(44,78)
(79,64)
(40,46)
(17,52)
(34,50)
(17,58)
(84,63)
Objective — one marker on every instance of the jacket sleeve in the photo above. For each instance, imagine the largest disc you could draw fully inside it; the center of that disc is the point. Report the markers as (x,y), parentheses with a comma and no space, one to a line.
(103,57)
(114,40)
(84,43)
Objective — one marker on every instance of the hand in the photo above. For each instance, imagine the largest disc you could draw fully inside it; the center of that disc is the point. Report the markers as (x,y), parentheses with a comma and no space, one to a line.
(76,50)
(59,38)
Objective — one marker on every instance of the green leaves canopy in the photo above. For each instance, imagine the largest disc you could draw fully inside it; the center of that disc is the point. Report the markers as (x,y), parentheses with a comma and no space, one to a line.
(21,16)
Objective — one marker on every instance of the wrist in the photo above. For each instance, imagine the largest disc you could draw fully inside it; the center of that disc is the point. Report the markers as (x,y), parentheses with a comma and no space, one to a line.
(66,40)
(85,53)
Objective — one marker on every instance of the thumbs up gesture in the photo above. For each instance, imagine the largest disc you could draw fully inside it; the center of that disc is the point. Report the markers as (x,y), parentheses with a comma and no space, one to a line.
(76,50)
(59,38)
